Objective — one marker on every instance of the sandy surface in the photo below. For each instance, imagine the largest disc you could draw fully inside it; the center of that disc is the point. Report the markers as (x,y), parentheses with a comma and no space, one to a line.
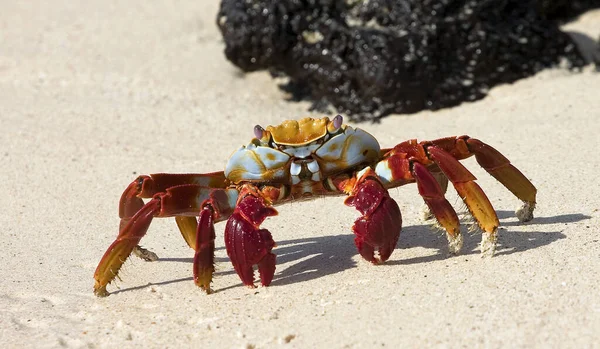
(93,94)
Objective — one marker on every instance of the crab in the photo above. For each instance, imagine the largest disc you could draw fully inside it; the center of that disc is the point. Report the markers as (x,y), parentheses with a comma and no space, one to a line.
(301,160)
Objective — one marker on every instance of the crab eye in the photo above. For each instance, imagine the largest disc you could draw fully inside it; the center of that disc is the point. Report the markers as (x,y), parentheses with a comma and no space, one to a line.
(259,132)
(335,124)
(264,137)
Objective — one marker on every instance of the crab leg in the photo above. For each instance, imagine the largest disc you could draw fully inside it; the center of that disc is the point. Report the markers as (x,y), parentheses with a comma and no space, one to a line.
(477,202)
(128,238)
(146,186)
(184,200)
(204,245)
(500,168)
(489,158)
(442,181)
(443,154)
(398,169)
(433,194)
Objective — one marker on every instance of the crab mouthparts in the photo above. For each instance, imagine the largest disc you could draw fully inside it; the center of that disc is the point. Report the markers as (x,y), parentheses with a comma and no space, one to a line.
(303,170)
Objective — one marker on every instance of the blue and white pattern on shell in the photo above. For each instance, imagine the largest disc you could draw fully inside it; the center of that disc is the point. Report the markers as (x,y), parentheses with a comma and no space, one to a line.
(347,149)
(254,163)
(352,147)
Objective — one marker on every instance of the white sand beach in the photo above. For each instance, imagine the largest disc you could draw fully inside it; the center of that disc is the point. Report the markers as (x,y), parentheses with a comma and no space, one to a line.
(94,93)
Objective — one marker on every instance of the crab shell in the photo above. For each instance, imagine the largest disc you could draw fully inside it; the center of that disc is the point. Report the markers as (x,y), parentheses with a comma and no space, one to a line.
(301,151)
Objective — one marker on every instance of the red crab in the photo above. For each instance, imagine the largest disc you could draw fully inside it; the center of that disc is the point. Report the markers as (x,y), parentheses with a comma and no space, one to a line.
(305,159)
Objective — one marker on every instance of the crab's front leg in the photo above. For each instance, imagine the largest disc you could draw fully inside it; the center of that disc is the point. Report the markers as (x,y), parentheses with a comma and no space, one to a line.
(248,245)
(378,228)
(183,200)
(146,186)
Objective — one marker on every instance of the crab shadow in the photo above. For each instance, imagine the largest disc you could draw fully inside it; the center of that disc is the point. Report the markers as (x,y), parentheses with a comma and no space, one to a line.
(322,256)
(316,257)
(509,241)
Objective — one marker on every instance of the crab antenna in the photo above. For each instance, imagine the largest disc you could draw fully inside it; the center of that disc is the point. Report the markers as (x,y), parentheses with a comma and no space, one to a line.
(336,123)
(259,132)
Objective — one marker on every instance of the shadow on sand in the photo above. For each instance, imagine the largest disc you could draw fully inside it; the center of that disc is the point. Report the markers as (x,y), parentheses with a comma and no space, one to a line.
(327,255)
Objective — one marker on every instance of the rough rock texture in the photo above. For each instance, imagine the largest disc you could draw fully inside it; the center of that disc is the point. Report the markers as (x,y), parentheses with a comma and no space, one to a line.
(562,10)
(371,58)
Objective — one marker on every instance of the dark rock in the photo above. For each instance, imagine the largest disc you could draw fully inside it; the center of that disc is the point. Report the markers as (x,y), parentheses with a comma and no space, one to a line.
(371,58)
(563,10)
(596,55)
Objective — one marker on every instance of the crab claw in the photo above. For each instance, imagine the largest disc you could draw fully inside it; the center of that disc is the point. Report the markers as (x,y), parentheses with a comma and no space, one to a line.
(246,244)
(378,229)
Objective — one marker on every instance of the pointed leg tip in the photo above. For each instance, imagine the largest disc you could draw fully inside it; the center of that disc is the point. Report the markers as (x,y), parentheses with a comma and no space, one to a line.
(372,260)
(378,261)
(101,291)
(203,283)
(525,212)
(455,243)
(488,243)
(206,289)
(145,254)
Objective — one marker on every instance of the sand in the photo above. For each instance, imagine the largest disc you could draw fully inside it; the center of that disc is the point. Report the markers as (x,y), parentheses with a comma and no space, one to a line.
(94,93)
